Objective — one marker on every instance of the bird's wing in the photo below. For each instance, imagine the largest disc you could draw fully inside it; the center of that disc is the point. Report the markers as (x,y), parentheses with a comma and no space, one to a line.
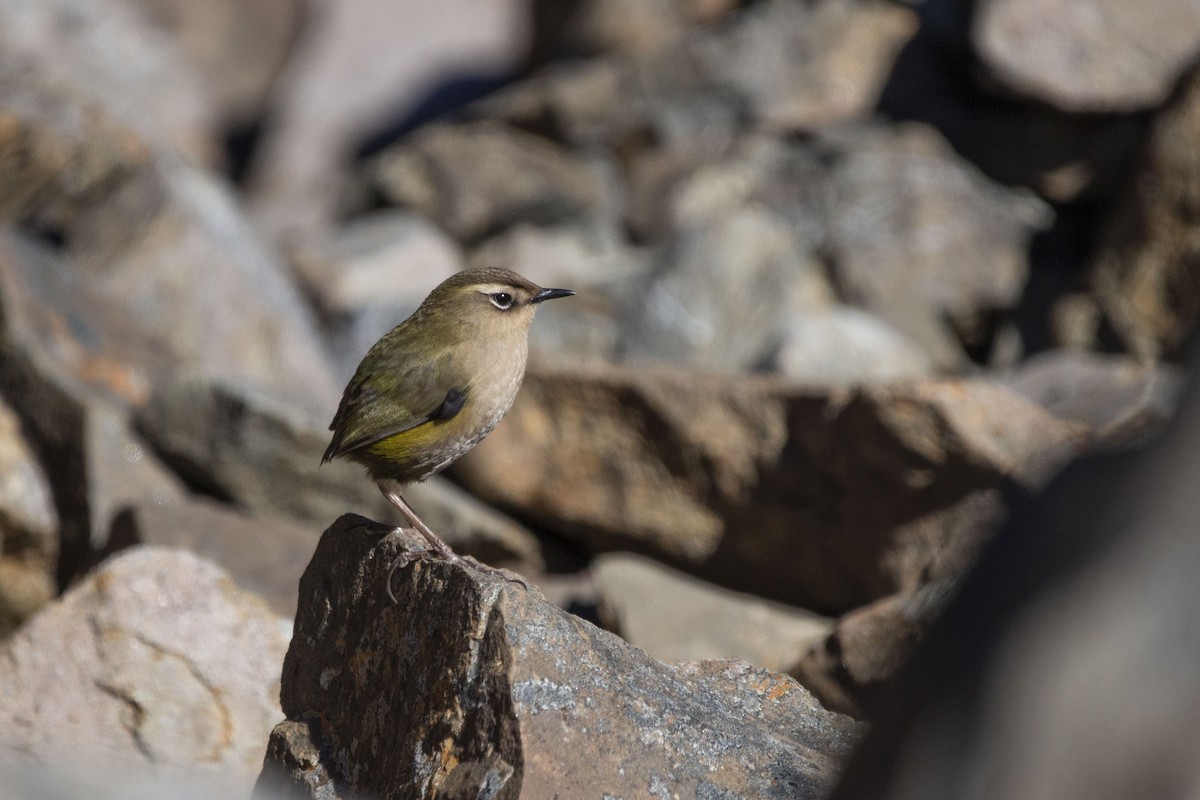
(392,394)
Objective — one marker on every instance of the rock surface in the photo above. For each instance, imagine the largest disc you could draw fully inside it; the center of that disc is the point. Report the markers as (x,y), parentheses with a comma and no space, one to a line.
(675,617)
(1147,271)
(469,684)
(822,499)
(156,664)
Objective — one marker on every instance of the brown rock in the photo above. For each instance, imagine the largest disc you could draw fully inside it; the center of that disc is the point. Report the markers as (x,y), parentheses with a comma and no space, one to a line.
(157,663)
(1121,400)
(1147,271)
(479,178)
(1088,55)
(28,528)
(470,684)
(850,671)
(822,499)
(675,617)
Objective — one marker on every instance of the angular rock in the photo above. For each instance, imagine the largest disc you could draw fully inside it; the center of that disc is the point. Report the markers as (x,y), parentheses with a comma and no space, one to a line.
(675,617)
(192,273)
(825,500)
(1146,274)
(1120,400)
(718,301)
(155,665)
(845,346)
(917,237)
(850,671)
(28,528)
(265,555)
(477,179)
(106,56)
(784,65)
(1088,55)
(264,454)
(470,685)
(1069,653)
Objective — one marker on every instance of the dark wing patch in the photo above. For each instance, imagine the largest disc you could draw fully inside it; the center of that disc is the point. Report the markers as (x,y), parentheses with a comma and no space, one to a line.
(452,404)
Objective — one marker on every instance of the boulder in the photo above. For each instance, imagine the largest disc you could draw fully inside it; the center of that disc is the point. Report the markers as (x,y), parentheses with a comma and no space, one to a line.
(822,499)
(469,685)
(155,665)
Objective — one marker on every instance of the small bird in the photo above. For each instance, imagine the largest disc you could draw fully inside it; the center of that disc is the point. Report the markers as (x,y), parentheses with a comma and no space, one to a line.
(435,385)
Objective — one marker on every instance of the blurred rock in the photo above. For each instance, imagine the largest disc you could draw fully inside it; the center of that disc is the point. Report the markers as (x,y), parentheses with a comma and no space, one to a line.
(52,318)
(920,239)
(1146,273)
(1121,400)
(826,500)
(851,670)
(359,70)
(717,302)
(477,179)
(234,49)
(569,30)
(264,555)
(1068,654)
(845,346)
(171,247)
(264,454)
(1084,55)
(105,56)
(28,528)
(369,275)
(675,617)
(470,685)
(63,369)
(776,65)
(156,664)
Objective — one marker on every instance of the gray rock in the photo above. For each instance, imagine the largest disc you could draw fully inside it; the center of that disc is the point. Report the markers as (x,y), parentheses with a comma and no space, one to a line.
(477,179)
(1088,55)
(264,454)
(822,499)
(234,49)
(360,68)
(846,346)
(1146,274)
(265,555)
(718,301)
(196,277)
(917,237)
(156,664)
(1120,399)
(675,617)
(106,56)
(470,685)
(28,528)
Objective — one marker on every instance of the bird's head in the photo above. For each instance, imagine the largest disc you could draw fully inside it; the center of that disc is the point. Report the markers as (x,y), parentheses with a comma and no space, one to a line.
(491,299)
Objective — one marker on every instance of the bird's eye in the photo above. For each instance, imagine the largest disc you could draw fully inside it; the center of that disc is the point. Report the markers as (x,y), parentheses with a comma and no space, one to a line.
(502,300)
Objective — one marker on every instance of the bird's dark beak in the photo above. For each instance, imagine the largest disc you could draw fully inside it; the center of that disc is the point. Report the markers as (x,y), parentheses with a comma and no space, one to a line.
(550,294)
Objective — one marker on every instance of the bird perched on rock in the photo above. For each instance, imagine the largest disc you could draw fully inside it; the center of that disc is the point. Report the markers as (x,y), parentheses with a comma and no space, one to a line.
(437,383)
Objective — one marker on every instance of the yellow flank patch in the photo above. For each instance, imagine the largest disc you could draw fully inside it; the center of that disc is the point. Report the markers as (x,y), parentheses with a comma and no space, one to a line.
(408,445)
